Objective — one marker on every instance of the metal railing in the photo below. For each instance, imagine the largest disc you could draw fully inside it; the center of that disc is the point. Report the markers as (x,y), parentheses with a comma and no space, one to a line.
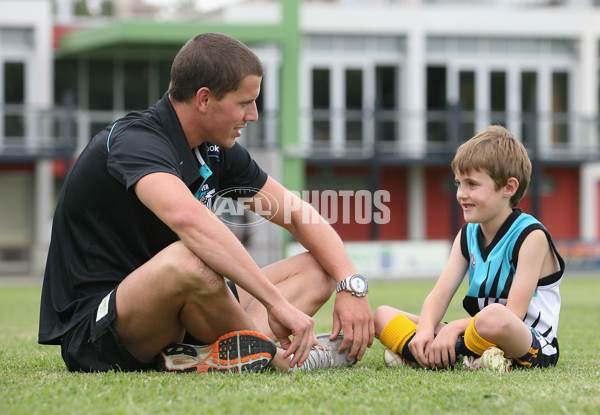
(29,133)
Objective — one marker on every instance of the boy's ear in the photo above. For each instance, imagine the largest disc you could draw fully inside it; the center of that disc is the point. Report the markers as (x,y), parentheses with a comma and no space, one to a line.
(511,186)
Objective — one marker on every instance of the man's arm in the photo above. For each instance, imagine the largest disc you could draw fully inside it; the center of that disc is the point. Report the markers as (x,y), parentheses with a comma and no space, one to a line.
(211,241)
(352,314)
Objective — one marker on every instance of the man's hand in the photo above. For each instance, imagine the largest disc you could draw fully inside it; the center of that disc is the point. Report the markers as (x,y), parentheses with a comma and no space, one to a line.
(353,316)
(286,320)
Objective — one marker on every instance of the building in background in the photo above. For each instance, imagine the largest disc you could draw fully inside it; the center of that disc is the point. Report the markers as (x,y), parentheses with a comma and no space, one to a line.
(28,124)
(386,92)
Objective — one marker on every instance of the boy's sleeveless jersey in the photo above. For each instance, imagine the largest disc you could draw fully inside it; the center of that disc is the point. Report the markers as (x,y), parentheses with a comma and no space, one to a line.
(492,270)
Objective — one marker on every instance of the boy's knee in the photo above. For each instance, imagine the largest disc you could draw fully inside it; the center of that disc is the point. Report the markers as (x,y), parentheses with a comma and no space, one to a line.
(492,320)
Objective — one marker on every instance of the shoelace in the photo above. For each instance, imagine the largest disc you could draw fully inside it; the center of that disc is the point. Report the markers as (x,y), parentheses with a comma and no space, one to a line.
(318,357)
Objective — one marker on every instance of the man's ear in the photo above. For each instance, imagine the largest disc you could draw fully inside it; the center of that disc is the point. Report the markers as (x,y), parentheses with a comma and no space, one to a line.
(203,97)
(511,187)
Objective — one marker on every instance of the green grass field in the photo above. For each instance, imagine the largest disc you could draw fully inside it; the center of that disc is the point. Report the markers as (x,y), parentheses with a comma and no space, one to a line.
(33,378)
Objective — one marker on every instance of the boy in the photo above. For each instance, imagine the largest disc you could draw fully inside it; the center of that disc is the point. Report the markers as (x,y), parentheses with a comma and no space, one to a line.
(514,273)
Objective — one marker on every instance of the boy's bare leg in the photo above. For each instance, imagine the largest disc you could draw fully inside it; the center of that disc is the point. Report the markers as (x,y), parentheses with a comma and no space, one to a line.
(499,325)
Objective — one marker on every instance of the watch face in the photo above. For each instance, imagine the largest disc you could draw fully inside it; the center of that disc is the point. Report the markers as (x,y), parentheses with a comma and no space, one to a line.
(358,284)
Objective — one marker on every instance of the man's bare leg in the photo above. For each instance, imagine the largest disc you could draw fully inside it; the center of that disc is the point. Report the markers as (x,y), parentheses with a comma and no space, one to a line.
(172,292)
(303,283)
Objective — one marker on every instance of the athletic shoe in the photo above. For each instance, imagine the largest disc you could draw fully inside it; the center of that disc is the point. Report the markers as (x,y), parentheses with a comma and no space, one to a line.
(337,359)
(492,359)
(319,357)
(237,351)
(326,354)
(392,359)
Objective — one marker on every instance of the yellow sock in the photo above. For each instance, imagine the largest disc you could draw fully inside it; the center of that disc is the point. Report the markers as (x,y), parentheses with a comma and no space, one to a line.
(397,332)
(474,341)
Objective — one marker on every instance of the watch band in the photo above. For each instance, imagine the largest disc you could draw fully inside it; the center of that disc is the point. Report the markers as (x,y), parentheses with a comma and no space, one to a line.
(344,285)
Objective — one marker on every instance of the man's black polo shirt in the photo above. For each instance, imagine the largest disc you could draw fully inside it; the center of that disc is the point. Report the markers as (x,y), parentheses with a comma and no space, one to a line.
(102,232)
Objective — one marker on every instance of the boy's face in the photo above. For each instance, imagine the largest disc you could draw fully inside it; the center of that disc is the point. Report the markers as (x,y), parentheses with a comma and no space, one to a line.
(481,202)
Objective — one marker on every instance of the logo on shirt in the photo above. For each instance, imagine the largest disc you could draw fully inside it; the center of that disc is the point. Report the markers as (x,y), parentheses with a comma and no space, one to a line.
(205,195)
(473,262)
(213,148)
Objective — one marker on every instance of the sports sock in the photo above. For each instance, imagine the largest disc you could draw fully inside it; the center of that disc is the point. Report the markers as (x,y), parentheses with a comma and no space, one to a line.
(473,341)
(462,349)
(529,358)
(397,334)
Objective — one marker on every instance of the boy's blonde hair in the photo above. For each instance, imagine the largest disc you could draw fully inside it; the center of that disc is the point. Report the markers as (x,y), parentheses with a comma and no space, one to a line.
(498,153)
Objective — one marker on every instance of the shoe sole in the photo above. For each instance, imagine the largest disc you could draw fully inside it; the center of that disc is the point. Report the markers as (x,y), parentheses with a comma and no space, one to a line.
(238,351)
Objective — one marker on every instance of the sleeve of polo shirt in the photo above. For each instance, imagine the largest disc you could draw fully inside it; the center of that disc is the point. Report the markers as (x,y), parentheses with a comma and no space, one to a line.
(241,173)
(135,151)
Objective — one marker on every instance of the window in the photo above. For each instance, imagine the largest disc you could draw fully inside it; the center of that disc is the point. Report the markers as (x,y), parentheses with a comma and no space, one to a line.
(354,104)
(560,106)
(66,77)
(321,104)
(136,79)
(498,97)
(101,82)
(65,80)
(436,103)
(529,107)
(385,103)
(466,81)
(16,37)
(14,97)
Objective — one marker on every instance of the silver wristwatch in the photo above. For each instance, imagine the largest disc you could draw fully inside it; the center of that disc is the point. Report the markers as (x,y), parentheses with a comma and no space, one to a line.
(356,284)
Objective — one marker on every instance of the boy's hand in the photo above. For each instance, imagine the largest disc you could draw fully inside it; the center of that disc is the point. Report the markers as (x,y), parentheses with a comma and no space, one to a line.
(442,351)
(419,347)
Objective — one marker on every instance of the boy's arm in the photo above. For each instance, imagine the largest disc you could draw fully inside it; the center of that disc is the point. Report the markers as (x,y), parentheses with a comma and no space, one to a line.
(436,304)
(437,301)
(534,253)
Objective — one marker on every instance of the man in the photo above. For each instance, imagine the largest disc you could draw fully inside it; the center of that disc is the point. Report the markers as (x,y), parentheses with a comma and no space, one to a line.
(137,260)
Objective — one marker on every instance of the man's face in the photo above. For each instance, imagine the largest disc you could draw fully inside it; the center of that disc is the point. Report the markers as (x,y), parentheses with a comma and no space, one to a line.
(227,117)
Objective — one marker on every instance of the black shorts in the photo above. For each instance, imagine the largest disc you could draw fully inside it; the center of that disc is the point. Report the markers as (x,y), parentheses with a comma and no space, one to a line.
(547,355)
(93,346)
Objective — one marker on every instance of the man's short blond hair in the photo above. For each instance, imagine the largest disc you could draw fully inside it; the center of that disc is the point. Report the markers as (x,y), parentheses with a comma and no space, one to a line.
(498,153)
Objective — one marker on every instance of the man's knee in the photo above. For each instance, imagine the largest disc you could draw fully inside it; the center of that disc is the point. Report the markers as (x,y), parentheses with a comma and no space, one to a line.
(321,279)
(190,273)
